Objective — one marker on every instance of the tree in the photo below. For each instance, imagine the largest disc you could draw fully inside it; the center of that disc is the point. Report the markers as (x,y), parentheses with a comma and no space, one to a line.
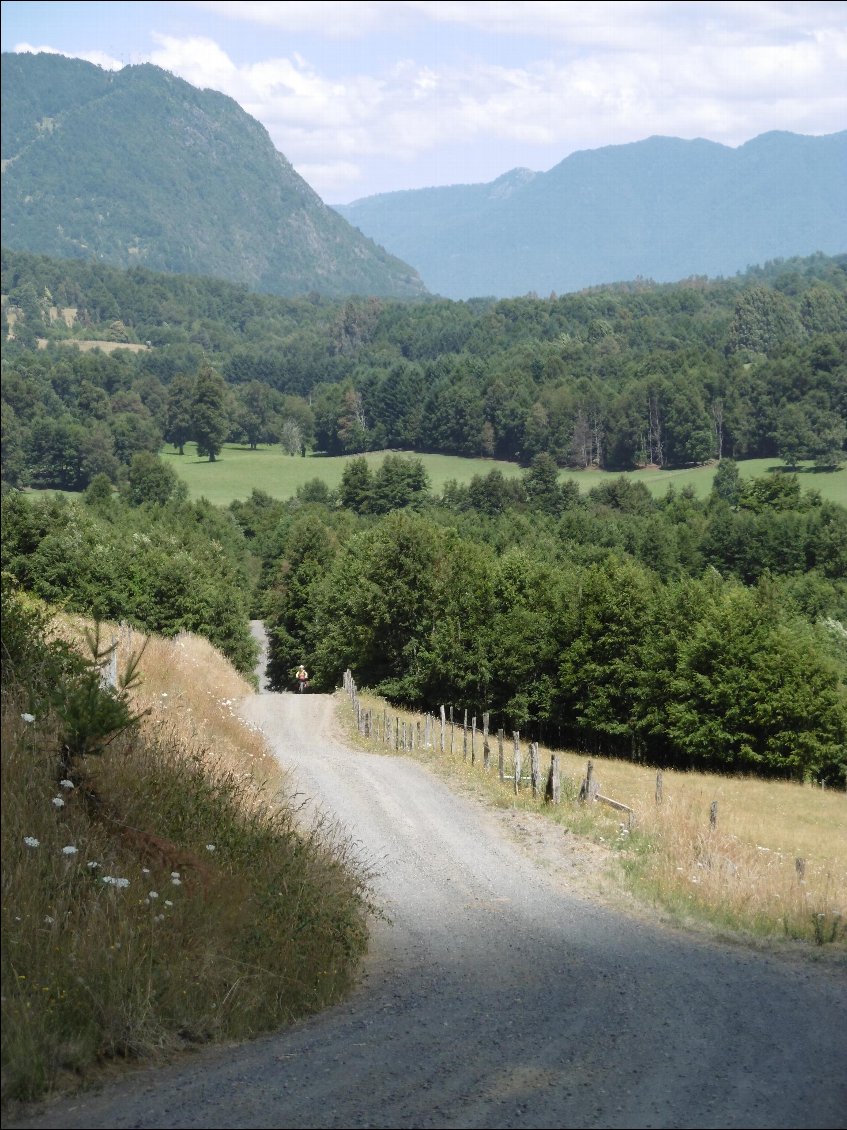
(254,412)
(151,480)
(727,482)
(291,437)
(178,428)
(209,420)
(541,483)
(794,437)
(399,482)
(356,490)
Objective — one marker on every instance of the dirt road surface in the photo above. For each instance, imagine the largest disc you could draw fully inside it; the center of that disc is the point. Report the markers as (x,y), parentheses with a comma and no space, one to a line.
(498,995)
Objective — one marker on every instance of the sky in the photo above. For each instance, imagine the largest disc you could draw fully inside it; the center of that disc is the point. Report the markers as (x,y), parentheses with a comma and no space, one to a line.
(365,98)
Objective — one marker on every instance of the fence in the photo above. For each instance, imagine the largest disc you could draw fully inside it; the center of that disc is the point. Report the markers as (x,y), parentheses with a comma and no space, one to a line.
(403,736)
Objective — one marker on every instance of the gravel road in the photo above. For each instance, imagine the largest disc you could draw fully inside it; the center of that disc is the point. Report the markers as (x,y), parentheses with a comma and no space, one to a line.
(499,995)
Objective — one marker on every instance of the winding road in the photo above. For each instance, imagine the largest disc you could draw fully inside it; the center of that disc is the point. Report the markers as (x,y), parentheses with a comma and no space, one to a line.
(497,996)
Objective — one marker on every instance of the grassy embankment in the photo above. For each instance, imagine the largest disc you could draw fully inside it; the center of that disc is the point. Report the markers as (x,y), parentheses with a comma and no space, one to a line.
(160,895)
(741,878)
(238,470)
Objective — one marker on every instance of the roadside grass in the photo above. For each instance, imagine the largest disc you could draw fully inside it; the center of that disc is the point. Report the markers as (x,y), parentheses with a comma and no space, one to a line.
(772,869)
(238,470)
(163,894)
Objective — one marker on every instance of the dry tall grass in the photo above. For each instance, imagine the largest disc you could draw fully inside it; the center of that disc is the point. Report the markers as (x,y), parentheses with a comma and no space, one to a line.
(161,895)
(773,866)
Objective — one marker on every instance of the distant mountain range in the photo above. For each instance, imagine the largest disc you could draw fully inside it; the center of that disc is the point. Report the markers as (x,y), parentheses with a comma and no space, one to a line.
(139,167)
(663,208)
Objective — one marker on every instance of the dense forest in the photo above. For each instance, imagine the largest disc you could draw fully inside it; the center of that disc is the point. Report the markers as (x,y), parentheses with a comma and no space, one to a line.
(679,631)
(614,377)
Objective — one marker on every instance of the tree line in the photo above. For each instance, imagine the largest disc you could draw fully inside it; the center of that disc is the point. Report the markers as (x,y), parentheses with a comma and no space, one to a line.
(615,377)
(678,631)
(684,632)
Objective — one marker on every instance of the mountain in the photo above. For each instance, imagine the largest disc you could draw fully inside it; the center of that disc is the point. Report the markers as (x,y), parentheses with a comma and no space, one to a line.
(662,208)
(137,167)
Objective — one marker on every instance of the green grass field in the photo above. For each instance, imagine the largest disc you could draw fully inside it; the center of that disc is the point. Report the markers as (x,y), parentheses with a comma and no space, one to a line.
(238,470)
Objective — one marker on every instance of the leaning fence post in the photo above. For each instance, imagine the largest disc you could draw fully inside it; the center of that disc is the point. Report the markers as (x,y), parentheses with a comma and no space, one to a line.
(517,739)
(589,787)
(501,758)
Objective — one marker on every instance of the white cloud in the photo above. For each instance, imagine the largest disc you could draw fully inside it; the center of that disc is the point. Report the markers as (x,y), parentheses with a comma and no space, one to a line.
(588,74)
(335,18)
(326,125)
(198,60)
(100,58)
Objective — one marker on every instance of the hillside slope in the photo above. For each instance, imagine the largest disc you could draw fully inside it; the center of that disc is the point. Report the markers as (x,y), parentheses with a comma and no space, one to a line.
(139,167)
(662,208)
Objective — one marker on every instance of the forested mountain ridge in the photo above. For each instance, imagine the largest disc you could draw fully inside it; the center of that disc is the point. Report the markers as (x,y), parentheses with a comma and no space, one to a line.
(139,167)
(661,208)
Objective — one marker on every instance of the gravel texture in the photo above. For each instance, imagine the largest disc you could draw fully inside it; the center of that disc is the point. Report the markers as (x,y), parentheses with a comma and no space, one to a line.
(499,994)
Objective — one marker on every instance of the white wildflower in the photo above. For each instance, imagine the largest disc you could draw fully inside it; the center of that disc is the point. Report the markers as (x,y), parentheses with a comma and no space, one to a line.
(58,802)
(66,784)
(93,864)
(168,902)
(48,919)
(153,894)
(113,881)
(210,847)
(69,849)
(31,841)
(28,717)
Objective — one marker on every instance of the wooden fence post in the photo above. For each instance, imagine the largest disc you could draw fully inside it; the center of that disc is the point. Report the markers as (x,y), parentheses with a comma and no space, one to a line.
(713,814)
(501,759)
(465,736)
(517,767)
(486,748)
(473,741)
(589,788)
(533,767)
(553,792)
(659,787)
(443,726)
(452,731)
